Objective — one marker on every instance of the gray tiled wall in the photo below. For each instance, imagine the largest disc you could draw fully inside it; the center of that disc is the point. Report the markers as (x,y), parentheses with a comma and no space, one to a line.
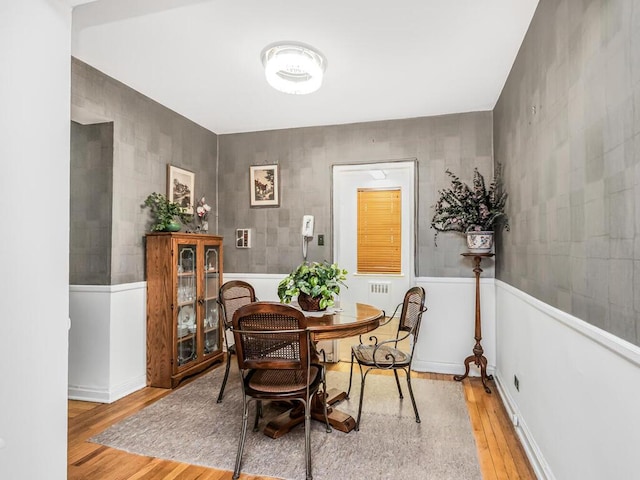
(305,156)
(91,204)
(146,137)
(567,130)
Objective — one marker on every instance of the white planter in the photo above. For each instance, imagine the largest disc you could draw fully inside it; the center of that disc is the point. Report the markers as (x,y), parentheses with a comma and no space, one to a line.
(479,242)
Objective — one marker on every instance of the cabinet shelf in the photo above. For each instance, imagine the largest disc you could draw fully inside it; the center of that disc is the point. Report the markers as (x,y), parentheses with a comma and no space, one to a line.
(186,303)
(177,268)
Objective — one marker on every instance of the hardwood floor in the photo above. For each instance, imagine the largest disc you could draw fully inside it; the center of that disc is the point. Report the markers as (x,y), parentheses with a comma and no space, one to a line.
(500,453)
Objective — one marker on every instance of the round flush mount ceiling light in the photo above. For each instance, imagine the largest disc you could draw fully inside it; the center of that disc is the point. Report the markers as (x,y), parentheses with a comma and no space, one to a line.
(293,68)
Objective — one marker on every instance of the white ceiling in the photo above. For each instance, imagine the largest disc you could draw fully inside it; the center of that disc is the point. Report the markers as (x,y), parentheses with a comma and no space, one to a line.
(387,59)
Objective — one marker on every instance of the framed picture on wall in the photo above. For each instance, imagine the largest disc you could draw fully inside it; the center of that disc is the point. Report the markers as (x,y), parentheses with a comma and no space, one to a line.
(263,184)
(181,186)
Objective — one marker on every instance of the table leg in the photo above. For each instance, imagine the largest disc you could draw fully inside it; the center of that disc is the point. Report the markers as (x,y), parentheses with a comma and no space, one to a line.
(284,422)
(337,419)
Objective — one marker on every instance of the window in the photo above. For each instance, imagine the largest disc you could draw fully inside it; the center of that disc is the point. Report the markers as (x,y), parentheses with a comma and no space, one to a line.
(379,230)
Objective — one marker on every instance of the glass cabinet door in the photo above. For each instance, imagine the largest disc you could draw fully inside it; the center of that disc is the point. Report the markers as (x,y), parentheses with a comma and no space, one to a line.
(186,324)
(211,319)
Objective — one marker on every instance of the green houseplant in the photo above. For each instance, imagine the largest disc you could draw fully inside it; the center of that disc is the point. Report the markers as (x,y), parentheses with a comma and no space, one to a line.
(471,209)
(165,213)
(314,283)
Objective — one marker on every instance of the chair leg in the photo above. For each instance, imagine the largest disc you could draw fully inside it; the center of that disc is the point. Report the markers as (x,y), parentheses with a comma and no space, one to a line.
(350,373)
(307,437)
(243,436)
(363,377)
(395,373)
(226,375)
(413,400)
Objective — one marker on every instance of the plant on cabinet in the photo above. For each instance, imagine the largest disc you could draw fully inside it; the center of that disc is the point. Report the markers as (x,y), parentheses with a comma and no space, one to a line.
(165,213)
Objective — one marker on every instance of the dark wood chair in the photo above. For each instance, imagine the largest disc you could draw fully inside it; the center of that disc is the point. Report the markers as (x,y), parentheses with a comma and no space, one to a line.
(232,295)
(274,352)
(385,354)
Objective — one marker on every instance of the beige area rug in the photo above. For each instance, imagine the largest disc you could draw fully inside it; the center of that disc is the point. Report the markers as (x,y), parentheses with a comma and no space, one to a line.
(189,426)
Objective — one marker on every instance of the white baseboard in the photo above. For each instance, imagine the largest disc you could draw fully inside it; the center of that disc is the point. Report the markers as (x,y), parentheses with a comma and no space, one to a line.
(89,394)
(538,463)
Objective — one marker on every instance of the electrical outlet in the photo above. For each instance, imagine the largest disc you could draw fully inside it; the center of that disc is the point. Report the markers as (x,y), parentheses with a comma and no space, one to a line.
(320,239)
(516,382)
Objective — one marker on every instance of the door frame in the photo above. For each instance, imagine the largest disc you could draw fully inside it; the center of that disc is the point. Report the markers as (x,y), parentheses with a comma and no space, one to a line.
(345,179)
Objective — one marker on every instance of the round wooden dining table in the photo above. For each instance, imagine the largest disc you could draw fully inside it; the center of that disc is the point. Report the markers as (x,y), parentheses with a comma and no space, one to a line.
(343,321)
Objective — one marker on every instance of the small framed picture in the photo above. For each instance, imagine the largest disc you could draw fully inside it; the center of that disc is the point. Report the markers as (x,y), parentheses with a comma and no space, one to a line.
(180,187)
(264,186)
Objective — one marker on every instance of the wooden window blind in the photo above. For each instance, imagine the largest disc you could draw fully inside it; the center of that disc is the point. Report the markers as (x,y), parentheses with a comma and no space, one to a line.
(379,230)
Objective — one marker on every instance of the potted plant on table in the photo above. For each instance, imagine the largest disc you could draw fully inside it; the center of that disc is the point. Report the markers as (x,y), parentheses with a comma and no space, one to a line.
(475,211)
(165,213)
(314,283)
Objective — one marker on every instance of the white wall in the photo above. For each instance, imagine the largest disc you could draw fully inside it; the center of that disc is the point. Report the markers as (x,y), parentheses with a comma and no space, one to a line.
(577,405)
(35,57)
(107,341)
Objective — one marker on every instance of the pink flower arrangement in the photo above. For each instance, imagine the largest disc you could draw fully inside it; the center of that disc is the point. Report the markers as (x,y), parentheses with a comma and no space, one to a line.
(202,210)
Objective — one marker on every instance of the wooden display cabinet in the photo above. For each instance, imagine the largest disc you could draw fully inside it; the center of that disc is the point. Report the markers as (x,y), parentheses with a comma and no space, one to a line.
(184,328)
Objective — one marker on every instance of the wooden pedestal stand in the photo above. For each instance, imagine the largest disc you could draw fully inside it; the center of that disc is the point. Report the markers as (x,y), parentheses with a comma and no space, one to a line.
(478,358)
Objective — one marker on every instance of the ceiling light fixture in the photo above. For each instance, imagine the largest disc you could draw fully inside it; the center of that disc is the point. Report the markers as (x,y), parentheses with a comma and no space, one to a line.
(378,174)
(293,67)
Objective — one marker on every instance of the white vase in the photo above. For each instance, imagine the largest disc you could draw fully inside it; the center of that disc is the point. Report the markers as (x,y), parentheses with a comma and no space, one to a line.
(204,227)
(479,242)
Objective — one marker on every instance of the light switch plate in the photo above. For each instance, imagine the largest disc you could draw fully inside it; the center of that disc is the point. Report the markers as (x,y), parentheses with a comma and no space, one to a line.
(243,238)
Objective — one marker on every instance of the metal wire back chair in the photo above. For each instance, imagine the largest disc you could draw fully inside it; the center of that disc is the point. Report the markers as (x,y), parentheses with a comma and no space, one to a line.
(231,296)
(274,353)
(385,354)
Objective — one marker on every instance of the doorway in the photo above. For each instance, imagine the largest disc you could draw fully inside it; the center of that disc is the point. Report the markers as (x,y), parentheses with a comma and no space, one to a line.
(382,290)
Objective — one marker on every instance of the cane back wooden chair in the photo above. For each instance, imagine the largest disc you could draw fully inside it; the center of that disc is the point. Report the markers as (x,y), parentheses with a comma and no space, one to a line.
(385,354)
(274,353)
(232,295)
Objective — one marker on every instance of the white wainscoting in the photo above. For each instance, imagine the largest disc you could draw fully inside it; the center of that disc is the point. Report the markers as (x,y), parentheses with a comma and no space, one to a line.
(448,326)
(265,284)
(577,406)
(447,331)
(107,341)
